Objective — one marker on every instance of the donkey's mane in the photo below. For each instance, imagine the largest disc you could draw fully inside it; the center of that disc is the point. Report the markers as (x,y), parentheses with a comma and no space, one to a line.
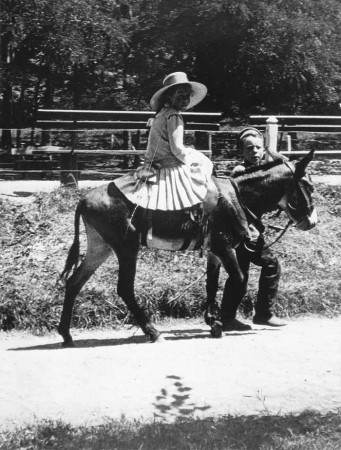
(260,168)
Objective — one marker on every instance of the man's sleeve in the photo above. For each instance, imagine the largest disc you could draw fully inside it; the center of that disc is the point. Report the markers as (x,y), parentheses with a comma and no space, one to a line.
(238,170)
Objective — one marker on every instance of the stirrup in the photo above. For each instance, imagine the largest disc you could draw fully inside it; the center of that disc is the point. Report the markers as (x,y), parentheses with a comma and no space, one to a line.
(196,214)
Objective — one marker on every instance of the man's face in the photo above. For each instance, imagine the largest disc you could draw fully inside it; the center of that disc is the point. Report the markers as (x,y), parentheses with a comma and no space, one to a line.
(253,150)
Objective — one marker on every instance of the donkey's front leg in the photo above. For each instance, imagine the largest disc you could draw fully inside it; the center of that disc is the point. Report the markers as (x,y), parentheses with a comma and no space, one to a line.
(127,258)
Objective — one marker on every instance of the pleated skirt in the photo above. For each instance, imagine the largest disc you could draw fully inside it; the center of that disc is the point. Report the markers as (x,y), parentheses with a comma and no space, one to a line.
(171,189)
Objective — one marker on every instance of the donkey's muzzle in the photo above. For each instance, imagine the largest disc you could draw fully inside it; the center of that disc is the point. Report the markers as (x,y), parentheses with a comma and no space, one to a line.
(308,222)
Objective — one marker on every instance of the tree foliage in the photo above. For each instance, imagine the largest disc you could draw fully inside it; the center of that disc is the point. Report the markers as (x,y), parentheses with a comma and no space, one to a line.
(254,55)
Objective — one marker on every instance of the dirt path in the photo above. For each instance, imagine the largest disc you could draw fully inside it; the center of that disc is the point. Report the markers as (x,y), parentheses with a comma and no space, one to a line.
(20,191)
(115,373)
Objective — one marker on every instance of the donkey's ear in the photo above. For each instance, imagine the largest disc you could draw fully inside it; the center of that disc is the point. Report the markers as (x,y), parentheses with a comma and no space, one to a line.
(303,163)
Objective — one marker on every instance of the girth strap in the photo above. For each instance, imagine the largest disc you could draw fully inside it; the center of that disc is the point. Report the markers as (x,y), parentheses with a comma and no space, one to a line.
(187,241)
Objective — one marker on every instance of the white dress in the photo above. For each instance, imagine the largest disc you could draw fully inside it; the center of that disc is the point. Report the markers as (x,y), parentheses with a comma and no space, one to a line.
(181,174)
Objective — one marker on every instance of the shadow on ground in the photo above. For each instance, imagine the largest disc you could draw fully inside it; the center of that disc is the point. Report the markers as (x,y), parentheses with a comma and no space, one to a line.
(88,343)
(174,401)
(23,193)
(171,335)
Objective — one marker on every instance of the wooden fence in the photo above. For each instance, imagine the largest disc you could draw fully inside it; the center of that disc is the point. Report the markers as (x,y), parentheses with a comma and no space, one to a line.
(107,153)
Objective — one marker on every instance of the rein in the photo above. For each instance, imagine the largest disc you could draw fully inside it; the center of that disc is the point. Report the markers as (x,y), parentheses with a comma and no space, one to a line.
(282,234)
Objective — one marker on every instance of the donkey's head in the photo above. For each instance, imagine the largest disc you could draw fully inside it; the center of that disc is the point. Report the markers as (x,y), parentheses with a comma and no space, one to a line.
(298,201)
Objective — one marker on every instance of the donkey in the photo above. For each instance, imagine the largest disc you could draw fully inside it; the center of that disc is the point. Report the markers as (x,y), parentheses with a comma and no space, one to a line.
(113,223)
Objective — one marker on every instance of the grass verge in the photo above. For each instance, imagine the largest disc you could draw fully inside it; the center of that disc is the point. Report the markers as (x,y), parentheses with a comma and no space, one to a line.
(309,430)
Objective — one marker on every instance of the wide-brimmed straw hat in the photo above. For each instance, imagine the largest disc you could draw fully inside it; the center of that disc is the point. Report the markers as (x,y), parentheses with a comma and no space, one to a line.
(249,131)
(199,90)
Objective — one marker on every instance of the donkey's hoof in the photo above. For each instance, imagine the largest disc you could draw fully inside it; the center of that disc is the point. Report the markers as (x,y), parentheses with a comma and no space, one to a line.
(217,330)
(160,340)
(209,320)
(157,338)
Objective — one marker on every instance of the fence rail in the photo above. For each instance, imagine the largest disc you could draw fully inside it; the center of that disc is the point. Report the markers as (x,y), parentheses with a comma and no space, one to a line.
(50,160)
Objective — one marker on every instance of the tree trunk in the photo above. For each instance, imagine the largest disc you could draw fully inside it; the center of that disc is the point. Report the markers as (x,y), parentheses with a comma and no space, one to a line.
(6,112)
(20,115)
(6,89)
(35,102)
(48,101)
(76,100)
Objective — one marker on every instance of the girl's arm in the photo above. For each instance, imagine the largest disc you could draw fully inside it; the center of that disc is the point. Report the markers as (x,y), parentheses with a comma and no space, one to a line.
(175,125)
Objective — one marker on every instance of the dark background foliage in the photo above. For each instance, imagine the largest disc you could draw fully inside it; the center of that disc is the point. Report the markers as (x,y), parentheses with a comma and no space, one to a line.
(254,55)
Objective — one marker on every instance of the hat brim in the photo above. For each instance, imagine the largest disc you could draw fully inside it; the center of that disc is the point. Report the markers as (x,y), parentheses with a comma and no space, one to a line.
(199,93)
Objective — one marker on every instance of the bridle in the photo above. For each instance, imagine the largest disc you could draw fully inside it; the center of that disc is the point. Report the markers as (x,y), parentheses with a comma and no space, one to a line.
(303,190)
(258,223)
(306,196)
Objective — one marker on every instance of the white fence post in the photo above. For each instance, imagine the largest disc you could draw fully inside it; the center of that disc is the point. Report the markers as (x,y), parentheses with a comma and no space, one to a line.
(288,143)
(271,136)
(210,142)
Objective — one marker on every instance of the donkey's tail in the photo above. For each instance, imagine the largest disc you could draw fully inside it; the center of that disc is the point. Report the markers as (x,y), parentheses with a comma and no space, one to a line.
(73,256)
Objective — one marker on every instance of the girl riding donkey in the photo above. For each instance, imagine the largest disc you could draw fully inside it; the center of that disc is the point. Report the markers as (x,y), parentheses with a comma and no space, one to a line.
(174,177)
(120,223)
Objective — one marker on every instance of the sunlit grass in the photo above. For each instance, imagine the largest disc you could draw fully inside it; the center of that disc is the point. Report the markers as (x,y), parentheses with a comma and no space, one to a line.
(309,430)
(35,240)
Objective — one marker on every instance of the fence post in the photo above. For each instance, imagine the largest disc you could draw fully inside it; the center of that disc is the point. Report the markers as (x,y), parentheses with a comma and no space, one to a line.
(127,144)
(69,169)
(137,158)
(69,162)
(271,136)
(201,140)
(288,143)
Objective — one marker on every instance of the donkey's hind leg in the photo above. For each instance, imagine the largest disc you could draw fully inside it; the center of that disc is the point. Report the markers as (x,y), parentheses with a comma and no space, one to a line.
(212,308)
(97,252)
(212,312)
